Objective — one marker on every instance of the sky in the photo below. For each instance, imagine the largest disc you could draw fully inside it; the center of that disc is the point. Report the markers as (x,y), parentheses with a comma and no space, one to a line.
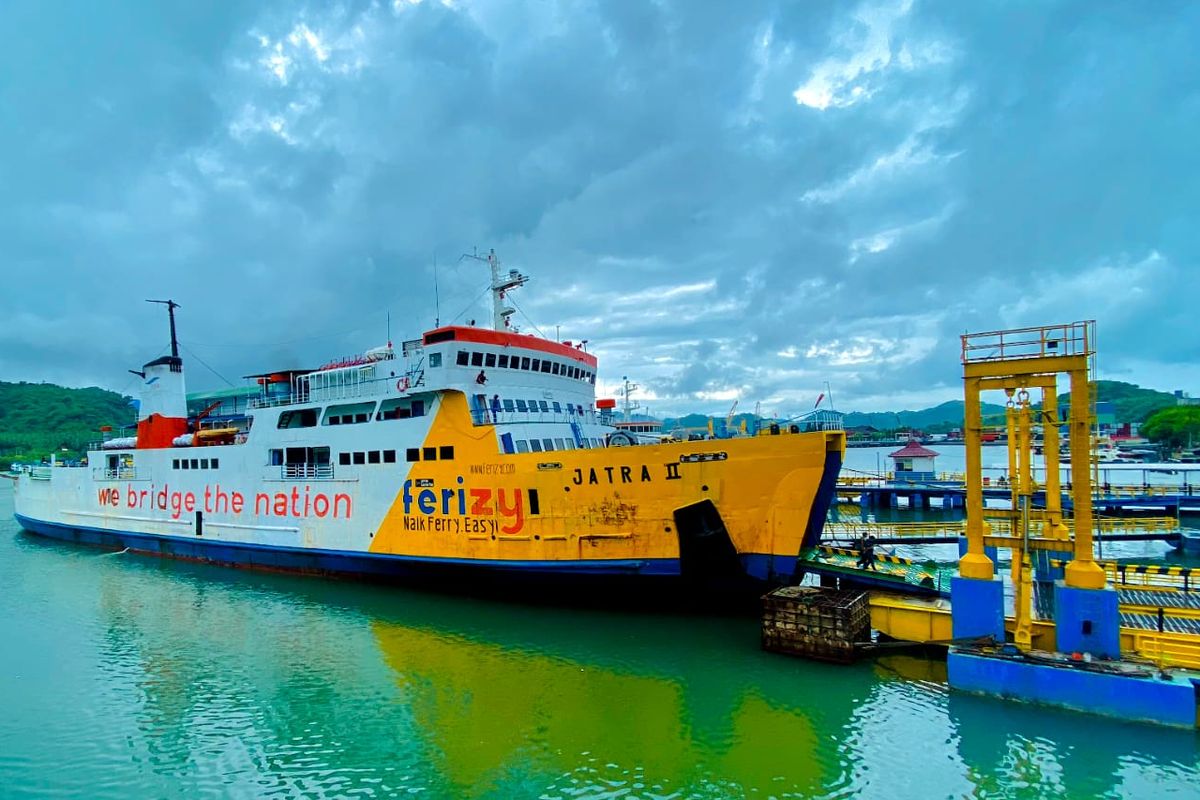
(731,201)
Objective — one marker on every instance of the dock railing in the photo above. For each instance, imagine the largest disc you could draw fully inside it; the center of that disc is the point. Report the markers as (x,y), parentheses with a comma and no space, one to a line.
(1071,339)
(854,529)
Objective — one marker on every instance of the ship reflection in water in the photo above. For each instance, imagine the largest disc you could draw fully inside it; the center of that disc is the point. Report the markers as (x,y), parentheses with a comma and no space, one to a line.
(158,678)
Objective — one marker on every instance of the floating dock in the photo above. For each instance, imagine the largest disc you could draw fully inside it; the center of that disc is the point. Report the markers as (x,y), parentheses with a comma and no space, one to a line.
(1113,639)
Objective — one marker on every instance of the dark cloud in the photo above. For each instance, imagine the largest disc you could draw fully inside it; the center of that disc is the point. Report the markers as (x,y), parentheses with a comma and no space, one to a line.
(729,200)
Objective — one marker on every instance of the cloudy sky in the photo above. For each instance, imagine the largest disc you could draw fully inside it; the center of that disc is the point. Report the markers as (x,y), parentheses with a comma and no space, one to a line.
(736,200)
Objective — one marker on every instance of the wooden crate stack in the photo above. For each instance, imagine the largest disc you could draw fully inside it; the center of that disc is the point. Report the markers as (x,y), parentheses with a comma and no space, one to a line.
(816,623)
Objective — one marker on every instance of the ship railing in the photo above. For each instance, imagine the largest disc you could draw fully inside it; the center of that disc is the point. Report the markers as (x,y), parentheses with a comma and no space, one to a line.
(485,416)
(373,388)
(819,419)
(41,473)
(305,471)
(118,474)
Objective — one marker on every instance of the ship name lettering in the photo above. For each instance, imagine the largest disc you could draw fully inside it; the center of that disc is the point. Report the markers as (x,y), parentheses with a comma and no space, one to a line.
(483,502)
(626,475)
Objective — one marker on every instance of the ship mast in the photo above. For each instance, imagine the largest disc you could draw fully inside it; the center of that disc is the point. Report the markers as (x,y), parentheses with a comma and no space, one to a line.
(171,306)
(627,390)
(501,284)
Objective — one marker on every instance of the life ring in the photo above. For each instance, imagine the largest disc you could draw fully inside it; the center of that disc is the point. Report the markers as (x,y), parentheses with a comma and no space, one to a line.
(402,385)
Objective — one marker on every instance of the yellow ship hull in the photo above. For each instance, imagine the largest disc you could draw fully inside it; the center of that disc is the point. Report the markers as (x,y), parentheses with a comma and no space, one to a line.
(710,508)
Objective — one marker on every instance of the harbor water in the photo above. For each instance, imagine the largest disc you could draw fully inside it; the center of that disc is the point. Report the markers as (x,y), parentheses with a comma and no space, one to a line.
(128,676)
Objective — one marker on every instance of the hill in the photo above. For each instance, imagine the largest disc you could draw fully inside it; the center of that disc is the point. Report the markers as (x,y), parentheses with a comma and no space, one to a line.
(38,418)
(1131,402)
(948,415)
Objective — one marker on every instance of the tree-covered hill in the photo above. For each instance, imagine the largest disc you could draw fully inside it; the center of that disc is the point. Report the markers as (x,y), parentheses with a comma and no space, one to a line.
(37,418)
(1132,403)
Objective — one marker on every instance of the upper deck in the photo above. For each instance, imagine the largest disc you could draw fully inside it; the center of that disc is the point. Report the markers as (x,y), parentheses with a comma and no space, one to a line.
(471,360)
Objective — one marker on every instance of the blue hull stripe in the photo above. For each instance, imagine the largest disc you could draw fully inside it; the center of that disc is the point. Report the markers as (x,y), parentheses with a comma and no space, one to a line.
(333,561)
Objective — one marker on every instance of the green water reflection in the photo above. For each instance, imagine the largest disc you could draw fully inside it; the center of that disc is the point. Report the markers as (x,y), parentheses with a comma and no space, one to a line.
(127,676)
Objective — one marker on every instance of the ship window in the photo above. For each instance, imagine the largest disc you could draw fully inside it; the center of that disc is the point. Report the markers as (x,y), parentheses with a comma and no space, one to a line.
(544,406)
(535,365)
(508,405)
(360,457)
(389,456)
(520,405)
(545,366)
(418,408)
(195,463)
(522,446)
(344,459)
(215,463)
(446,452)
(570,445)
(535,445)
(175,463)
(300,418)
(275,456)
(435,359)
(558,444)
(574,372)
(204,463)
(548,444)
(554,367)
(412,454)
(476,359)
(557,408)
(373,457)
(489,360)
(184,464)
(335,420)
(503,363)
(429,454)
(462,358)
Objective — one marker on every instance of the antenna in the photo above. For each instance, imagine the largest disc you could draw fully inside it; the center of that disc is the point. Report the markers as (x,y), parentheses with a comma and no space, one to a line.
(389,328)
(171,306)
(437,301)
(499,287)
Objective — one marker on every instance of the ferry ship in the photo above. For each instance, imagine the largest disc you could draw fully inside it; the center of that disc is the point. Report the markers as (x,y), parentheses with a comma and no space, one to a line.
(468,450)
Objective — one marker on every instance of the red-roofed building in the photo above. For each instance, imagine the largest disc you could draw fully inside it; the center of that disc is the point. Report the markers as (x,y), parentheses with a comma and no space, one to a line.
(913,462)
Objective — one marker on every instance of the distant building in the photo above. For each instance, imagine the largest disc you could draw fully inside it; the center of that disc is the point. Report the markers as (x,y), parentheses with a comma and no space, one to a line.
(1182,398)
(862,432)
(914,463)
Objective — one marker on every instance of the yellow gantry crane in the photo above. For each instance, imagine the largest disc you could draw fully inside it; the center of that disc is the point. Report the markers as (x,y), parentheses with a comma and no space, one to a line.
(1018,361)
